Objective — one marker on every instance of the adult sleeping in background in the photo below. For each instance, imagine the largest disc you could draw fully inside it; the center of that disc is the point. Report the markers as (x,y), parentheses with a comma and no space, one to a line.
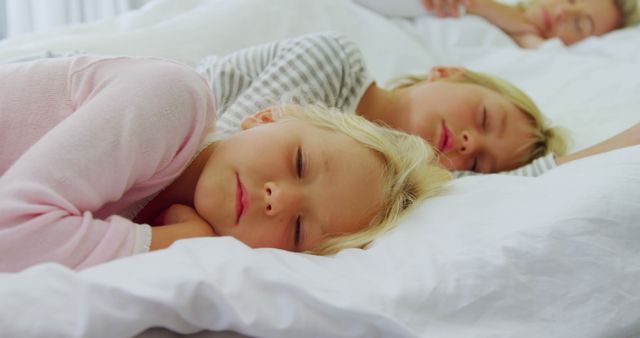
(531,22)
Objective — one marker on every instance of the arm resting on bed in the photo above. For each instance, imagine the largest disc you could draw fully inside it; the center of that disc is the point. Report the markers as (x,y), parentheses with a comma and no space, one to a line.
(625,139)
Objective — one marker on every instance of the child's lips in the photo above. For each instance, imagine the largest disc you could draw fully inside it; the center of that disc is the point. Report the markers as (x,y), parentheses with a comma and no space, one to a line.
(242,201)
(445,142)
(546,20)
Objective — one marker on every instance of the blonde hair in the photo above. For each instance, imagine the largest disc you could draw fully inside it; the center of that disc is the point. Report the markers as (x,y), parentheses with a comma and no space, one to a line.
(544,139)
(628,10)
(410,170)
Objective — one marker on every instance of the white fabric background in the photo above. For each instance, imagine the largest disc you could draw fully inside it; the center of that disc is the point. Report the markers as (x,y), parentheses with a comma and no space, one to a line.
(26,16)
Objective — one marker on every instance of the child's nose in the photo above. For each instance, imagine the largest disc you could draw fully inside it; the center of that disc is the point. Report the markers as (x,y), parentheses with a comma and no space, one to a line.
(278,199)
(468,142)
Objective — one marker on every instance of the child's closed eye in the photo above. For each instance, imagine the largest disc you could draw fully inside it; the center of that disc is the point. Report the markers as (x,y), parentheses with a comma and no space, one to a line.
(297,232)
(299,163)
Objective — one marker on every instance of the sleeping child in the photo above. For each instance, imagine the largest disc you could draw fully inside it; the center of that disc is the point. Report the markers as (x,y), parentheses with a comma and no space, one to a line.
(477,122)
(106,157)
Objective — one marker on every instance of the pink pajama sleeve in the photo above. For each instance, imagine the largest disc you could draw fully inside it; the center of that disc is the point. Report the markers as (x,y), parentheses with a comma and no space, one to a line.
(132,125)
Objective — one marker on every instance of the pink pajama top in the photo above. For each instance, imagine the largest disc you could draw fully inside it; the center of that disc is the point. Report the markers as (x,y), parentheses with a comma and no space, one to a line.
(85,143)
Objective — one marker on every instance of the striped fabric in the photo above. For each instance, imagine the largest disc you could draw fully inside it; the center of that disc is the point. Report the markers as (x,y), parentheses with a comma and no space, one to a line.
(322,68)
(536,168)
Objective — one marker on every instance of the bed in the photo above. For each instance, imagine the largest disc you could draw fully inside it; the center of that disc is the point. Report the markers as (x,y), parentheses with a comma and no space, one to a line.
(494,256)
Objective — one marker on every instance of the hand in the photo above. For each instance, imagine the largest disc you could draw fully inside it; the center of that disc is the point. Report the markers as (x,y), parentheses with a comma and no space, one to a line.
(508,18)
(444,8)
(180,222)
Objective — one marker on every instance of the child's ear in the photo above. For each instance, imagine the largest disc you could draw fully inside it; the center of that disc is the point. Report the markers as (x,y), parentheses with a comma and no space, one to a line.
(259,118)
(443,72)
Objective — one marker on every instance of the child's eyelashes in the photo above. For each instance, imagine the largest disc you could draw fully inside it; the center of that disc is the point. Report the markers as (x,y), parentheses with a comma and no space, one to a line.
(297,227)
(484,118)
(484,126)
(297,232)
(474,164)
(299,163)
(483,122)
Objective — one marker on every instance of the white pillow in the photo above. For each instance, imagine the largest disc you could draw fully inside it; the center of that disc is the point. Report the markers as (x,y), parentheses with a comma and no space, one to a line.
(190,30)
(496,256)
(621,44)
(446,38)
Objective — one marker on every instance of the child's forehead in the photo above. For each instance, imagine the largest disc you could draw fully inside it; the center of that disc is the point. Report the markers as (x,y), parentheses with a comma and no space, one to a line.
(330,136)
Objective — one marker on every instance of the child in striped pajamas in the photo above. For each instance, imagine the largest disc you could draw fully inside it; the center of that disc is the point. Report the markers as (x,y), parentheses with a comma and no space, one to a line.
(477,122)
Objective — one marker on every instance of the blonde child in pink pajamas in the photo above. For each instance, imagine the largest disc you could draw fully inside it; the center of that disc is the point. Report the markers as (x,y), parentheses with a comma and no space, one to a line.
(102,158)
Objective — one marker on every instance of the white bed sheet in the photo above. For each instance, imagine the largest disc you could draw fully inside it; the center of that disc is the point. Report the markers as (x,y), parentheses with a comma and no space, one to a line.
(495,257)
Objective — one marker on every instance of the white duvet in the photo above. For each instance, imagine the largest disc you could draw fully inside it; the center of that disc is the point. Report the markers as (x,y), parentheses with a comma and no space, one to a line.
(496,256)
